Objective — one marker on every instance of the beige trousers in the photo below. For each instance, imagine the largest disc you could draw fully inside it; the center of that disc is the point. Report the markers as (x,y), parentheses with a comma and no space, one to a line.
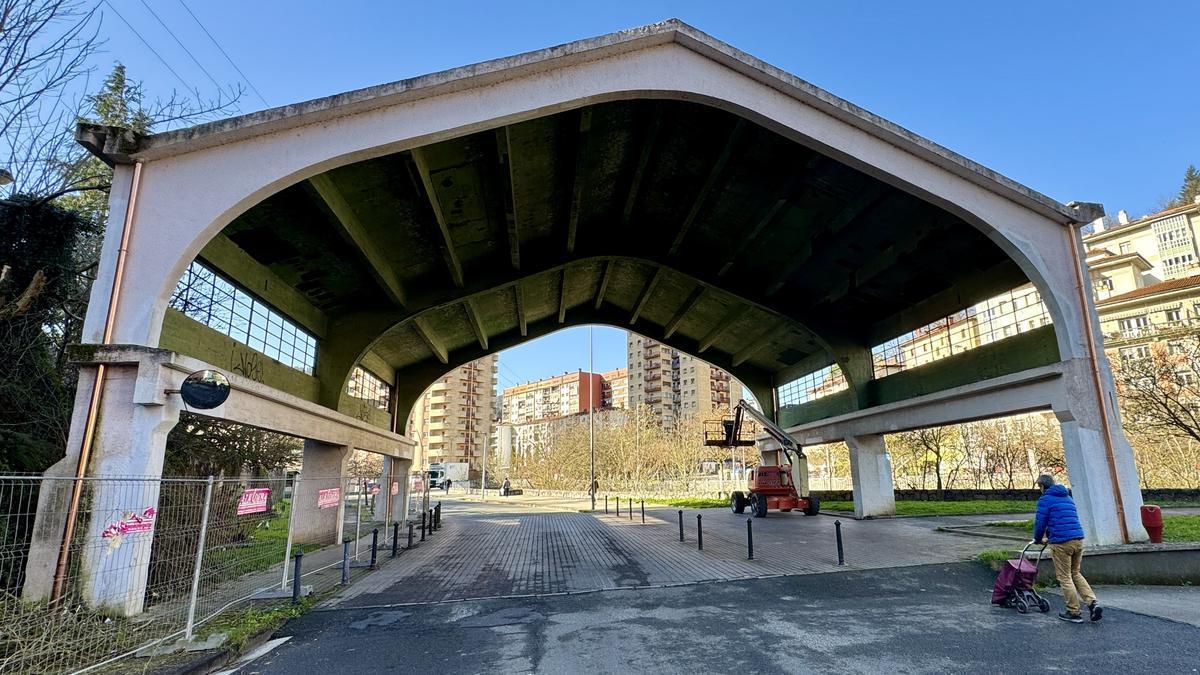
(1067,557)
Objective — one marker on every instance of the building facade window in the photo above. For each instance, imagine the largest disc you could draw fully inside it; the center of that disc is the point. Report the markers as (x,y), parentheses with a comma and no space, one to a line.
(365,385)
(205,296)
(1134,325)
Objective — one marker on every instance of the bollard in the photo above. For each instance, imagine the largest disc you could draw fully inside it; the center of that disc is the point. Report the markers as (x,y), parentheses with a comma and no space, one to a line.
(605,504)
(618,507)
(699,534)
(643,511)
(296,578)
(345,561)
(410,535)
(680,524)
(631,508)
(374,548)
(749,539)
(422,526)
(837,526)
(437,516)
(395,539)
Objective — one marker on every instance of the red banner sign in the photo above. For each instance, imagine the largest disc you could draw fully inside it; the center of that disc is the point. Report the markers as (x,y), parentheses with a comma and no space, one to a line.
(329,498)
(253,500)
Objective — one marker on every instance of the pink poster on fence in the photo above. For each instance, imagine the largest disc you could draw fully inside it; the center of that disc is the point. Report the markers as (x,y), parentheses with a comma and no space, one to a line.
(132,523)
(395,487)
(253,500)
(328,498)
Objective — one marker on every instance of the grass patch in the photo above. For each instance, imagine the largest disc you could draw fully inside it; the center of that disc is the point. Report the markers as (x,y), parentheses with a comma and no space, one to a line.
(690,502)
(263,548)
(1175,528)
(956,508)
(993,555)
(242,625)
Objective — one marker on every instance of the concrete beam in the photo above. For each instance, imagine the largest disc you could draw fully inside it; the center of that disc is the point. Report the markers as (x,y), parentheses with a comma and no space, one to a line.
(813,165)
(448,252)
(608,266)
(726,321)
(430,338)
(519,295)
(852,210)
(760,343)
(713,175)
(562,297)
(229,258)
(514,237)
(683,310)
(1029,390)
(643,162)
(645,296)
(356,235)
(476,323)
(585,124)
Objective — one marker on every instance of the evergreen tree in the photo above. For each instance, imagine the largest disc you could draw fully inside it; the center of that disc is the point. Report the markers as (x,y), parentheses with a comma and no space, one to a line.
(1191,187)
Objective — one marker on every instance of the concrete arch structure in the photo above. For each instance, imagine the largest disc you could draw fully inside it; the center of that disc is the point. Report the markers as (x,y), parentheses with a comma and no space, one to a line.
(617,180)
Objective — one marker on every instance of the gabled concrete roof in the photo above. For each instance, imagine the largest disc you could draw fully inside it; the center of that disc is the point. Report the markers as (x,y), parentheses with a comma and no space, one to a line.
(120,150)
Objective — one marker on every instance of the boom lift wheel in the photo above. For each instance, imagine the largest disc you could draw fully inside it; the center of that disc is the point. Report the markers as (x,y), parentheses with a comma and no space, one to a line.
(758,505)
(813,508)
(737,502)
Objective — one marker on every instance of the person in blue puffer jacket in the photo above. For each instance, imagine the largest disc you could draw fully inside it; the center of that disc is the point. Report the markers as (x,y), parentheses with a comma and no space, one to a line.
(1058,522)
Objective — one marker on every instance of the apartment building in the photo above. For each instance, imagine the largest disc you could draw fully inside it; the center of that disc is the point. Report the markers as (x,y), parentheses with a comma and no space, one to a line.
(673,385)
(1145,276)
(452,419)
(615,389)
(566,394)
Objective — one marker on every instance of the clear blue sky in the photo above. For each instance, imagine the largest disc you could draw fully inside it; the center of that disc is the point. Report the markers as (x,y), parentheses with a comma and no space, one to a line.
(1095,101)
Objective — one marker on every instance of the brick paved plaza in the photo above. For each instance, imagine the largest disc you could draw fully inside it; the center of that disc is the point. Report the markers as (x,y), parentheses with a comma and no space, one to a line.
(497,549)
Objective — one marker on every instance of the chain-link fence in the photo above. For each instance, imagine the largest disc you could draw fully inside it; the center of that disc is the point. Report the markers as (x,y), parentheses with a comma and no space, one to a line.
(153,559)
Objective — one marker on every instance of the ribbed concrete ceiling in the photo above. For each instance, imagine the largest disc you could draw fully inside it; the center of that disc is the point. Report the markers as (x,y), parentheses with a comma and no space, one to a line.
(682,222)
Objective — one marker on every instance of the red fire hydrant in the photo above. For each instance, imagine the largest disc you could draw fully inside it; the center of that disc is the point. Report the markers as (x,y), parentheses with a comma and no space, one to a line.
(1153,522)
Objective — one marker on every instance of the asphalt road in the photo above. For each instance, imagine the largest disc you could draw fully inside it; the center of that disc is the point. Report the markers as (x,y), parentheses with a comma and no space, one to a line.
(929,619)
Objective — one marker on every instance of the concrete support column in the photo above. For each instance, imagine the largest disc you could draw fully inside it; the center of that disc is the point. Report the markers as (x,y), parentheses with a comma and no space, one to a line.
(871,473)
(1091,483)
(111,565)
(323,468)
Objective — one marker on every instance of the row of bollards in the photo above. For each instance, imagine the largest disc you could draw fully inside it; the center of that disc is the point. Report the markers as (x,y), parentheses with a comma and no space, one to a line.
(837,526)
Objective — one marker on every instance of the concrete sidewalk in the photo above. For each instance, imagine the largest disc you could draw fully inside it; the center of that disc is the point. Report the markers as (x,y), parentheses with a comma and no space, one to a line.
(1176,603)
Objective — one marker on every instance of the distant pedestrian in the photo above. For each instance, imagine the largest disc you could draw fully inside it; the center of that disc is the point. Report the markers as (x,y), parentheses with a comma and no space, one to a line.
(1058,521)
(446,485)
(504,487)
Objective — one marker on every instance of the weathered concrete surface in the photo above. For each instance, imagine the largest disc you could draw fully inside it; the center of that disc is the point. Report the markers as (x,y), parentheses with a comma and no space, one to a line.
(1177,603)
(929,619)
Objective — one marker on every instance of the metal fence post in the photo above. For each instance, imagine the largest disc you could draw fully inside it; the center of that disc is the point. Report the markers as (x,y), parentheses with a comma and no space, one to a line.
(191,617)
(296,578)
(287,549)
(699,533)
(395,538)
(837,526)
(680,524)
(345,561)
(749,539)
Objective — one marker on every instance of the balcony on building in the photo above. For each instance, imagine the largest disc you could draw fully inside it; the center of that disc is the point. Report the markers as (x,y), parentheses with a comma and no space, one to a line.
(653,365)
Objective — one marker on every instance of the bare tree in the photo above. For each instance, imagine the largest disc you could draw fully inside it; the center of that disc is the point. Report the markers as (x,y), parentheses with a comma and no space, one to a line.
(1160,389)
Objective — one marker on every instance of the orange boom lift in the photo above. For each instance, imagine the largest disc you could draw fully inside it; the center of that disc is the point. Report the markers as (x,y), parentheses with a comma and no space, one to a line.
(776,485)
